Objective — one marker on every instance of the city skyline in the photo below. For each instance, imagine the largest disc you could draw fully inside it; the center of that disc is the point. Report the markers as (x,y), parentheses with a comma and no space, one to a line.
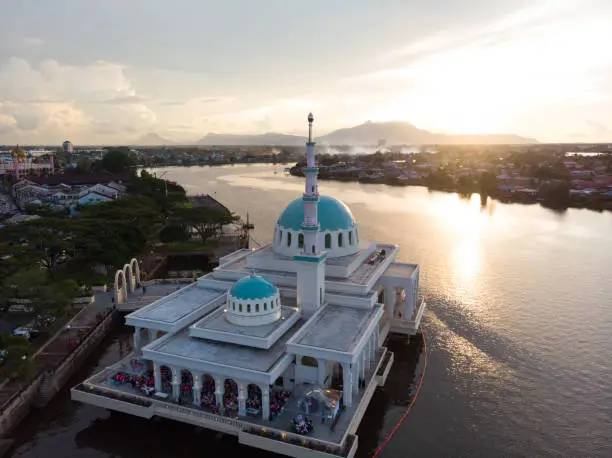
(114,72)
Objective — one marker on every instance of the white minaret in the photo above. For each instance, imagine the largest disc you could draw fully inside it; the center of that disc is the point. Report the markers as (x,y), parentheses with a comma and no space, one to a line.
(311,262)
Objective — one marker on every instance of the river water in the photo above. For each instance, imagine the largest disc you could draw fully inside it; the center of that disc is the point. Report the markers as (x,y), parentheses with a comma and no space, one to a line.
(518,330)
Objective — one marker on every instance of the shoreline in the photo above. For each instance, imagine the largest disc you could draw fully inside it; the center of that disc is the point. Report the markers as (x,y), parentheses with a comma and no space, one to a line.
(588,203)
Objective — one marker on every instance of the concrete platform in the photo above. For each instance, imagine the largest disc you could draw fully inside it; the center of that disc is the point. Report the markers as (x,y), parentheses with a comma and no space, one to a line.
(272,435)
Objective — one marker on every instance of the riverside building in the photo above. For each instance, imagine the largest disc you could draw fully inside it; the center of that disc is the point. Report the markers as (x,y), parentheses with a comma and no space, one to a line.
(282,346)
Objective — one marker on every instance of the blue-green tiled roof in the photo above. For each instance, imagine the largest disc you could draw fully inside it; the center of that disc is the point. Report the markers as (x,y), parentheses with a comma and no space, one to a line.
(253,287)
(333,215)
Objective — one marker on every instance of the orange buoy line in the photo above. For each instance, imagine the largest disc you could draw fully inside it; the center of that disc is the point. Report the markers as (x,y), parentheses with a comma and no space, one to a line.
(416,395)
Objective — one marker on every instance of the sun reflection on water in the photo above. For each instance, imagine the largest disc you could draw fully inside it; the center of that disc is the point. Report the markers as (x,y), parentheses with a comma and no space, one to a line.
(465,357)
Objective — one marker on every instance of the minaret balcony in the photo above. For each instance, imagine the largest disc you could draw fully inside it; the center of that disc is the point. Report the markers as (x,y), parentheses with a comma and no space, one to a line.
(310,170)
(308,227)
(310,197)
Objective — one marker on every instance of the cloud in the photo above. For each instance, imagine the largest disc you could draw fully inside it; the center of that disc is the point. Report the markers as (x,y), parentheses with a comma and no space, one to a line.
(125,100)
(50,101)
(33,41)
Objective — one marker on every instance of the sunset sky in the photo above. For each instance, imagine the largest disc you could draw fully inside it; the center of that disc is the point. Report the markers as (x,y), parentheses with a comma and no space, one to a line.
(112,71)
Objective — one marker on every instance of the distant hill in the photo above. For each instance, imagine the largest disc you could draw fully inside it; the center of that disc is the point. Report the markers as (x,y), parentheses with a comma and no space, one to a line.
(404,133)
(369,133)
(152,139)
(270,138)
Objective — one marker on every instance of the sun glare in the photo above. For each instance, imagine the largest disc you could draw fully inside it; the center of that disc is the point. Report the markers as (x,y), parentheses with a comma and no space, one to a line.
(488,87)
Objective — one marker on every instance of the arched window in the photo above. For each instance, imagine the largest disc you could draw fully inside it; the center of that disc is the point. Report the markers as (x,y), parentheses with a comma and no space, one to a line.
(234,306)
(350,237)
(265,306)
(280,236)
(340,241)
(257,308)
(313,189)
(300,240)
(248,308)
(309,361)
(288,238)
(240,307)
(327,241)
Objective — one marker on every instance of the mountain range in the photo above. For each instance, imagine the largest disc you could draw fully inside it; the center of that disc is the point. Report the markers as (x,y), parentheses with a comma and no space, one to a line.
(367,134)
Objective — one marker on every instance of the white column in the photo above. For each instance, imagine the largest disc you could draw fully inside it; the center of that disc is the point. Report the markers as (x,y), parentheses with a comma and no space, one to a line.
(322,368)
(197,389)
(355,367)
(219,388)
(363,364)
(347,381)
(265,404)
(241,398)
(157,377)
(176,383)
(152,335)
(137,341)
(373,348)
(390,301)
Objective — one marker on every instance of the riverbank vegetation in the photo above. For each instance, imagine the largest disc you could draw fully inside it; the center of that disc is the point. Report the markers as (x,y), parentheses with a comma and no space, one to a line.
(47,262)
(526,174)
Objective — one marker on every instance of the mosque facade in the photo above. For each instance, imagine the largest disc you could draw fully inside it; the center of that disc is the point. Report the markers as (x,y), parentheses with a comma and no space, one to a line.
(275,337)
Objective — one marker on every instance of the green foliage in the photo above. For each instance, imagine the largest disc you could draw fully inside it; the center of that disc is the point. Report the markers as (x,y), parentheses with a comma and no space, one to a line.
(174,233)
(167,194)
(206,222)
(17,361)
(49,297)
(118,160)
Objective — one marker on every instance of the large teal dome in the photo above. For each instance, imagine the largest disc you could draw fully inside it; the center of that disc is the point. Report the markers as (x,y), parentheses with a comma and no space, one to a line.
(333,215)
(253,287)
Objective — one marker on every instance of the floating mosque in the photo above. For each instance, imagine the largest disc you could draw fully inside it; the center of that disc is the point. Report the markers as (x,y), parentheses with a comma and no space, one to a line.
(282,346)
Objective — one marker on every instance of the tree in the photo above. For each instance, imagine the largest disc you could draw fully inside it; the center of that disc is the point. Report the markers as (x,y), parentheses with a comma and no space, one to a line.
(207,222)
(18,362)
(118,160)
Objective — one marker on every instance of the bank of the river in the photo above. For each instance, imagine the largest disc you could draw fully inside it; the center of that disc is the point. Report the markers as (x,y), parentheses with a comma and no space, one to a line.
(592,201)
(518,330)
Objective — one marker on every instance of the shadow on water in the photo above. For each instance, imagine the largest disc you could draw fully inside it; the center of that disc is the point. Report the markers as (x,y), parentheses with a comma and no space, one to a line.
(398,392)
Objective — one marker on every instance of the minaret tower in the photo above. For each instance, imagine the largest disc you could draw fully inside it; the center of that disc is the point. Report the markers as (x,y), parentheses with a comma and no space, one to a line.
(310,225)
(311,261)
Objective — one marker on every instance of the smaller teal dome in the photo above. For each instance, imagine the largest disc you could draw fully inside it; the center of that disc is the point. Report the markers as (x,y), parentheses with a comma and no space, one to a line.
(333,215)
(253,287)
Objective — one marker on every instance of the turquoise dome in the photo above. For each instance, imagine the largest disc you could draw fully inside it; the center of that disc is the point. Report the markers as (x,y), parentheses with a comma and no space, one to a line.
(333,215)
(253,287)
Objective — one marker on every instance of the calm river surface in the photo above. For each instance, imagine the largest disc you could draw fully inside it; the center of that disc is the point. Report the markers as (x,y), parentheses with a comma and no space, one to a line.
(519,330)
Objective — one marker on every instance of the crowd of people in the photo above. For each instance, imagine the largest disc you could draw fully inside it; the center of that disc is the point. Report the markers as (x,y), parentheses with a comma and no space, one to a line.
(302,424)
(143,380)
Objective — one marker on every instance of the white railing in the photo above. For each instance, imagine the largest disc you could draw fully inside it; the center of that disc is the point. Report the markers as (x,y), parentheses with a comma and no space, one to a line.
(187,412)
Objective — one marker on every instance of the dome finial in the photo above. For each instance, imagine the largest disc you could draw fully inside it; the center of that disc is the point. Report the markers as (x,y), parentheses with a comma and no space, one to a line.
(310,121)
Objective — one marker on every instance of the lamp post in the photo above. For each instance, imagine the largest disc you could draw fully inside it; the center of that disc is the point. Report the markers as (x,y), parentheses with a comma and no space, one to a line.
(68,334)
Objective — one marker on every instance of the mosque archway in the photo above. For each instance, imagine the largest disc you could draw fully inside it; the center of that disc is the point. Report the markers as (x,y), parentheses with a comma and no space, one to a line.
(209,399)
(186,385)
(230,394)
(166,379)
(254,398)
(135,271)
(309,361)
(337,380)
(120,287)
(129,277)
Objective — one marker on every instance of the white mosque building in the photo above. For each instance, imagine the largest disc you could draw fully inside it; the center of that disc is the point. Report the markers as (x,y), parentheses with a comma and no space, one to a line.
(275,337)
